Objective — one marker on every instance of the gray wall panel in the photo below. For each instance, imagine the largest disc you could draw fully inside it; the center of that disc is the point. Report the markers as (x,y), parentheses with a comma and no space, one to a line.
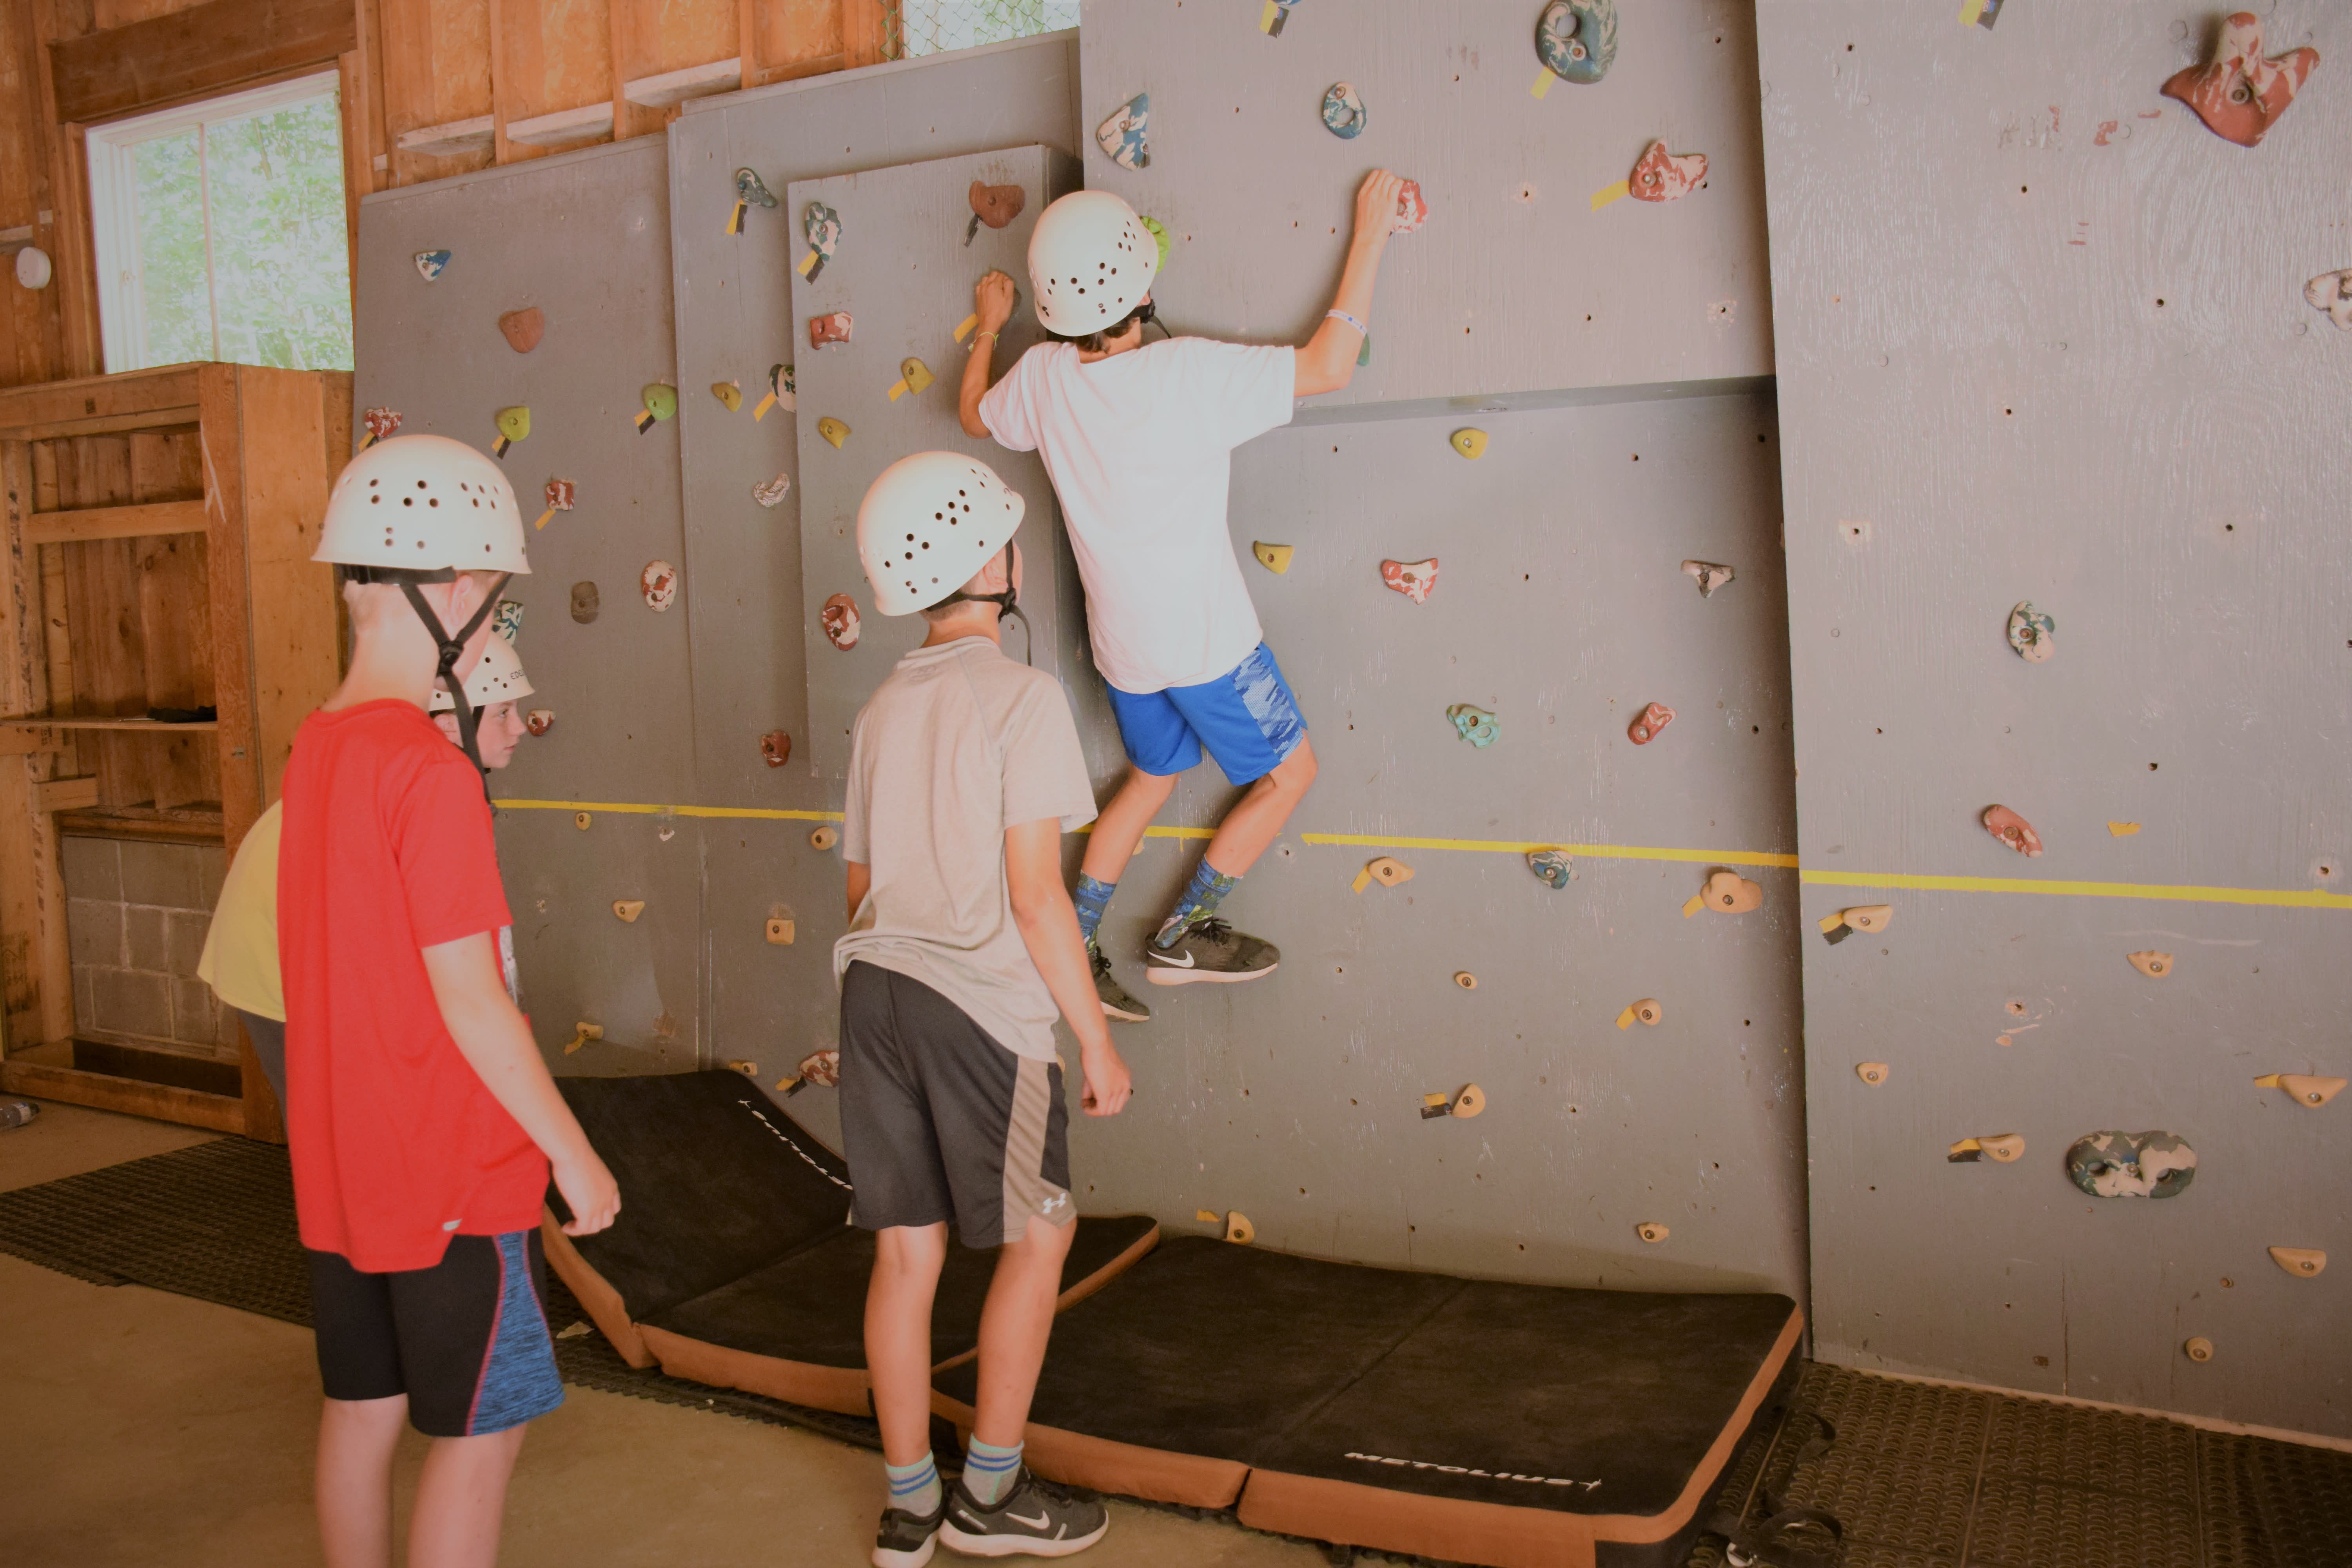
(2045,334)
(1516,284)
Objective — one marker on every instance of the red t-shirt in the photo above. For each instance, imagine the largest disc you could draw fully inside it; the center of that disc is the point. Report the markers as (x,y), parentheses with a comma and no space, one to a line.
(387,849)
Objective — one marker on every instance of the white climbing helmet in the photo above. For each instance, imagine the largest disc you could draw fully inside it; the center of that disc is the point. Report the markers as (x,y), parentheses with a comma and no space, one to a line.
(928,525)
(498,678)
(1091,262)
(423,503)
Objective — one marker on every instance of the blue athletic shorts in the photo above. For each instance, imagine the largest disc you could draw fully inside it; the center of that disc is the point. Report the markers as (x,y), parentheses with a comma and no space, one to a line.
(1246,719)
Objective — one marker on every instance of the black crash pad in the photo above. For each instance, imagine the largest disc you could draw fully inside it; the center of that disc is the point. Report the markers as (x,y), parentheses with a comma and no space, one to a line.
(1418,1413)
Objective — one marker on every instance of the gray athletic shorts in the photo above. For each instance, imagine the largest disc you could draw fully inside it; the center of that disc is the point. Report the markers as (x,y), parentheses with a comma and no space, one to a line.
(941,1123)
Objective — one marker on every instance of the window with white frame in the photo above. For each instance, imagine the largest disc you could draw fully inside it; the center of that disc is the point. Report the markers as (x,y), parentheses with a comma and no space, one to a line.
(220,231)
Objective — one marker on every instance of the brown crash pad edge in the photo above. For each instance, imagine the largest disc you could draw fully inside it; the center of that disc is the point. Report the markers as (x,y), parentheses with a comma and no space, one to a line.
(606,1308)
(1126,1469)
(840,1389)
(1352,1514)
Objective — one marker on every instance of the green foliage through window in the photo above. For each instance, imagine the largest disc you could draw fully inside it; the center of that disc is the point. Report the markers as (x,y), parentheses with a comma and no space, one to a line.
(933,26)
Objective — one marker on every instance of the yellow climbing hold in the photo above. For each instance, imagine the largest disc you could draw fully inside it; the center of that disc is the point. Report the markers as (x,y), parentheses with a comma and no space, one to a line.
(913,376)
(729,393)
(2123,829)
(832,430)
(1469,443)
(1274,558)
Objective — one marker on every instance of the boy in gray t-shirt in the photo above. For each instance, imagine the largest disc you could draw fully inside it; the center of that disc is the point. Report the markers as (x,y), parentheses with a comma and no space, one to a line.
(965,772)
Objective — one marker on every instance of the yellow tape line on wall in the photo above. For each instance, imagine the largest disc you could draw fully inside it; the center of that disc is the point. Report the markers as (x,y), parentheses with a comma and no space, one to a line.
(1591,851)
(2277,898)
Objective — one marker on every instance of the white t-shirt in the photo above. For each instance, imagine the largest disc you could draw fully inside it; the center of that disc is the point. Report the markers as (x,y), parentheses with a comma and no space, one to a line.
(957,745)
(1139,447)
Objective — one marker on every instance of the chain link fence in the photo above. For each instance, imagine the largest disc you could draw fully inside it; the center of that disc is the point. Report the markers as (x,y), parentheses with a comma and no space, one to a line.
(934,26)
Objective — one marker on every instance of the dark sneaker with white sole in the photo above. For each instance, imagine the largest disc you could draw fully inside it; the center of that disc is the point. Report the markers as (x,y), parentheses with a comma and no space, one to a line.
(1211,950)
(905,1540)
(1036,1519)
(1116,1001)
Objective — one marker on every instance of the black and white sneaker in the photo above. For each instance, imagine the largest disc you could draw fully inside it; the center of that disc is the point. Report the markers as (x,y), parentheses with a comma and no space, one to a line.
(1116,1001)
(905,1540)
(1036,1519)
(1211,950)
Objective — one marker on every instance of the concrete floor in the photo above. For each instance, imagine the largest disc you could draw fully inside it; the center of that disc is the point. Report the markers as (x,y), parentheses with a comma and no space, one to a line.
(141,1427)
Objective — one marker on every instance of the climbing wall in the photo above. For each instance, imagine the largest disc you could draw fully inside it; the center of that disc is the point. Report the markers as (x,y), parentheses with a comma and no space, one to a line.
(584,240)
(2042,336)
(1532,275)
(911,249)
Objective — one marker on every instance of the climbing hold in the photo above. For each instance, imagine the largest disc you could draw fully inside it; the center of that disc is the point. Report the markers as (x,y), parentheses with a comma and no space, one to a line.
(1274,558)
(833,328)
(559,499)
(1271,20)
(750,187)
(2131,1164)
(1343,111)
(1576,40)
(2005,1147)
(2013,830)
(1870,918)
(429,264)
(1471,443)
(913,376)
(776,748)
(1708,575)
(583,602)
(1414,579)
(773,493)
(994,205)
(1475,725)
(1158,232)
(505,618)
(1125,137)
(729,393)
(1470,1101)
(540,721)
(749,1070)
(832,430)
(1552,867)
(822,226)
(821,1068)
(661,402)
(779,390)
(839,619)
(1648,722)
(1871,1073)
(579,819)
(2332,292)
(1663,176)
(1650,1230)
(824,837)
(1413,208)
(1645,1011)
(1238,1228)
(1387,872)
(780,931)
(523,328)
(581,1035)
(2304,1088)
(658,583)
(2303,1262)
(1730,893)
(2155,965)
(2197,1348)
(2239,94)
(380,422)
(514,423)
(2123,829)
(1464,979)
(628,909)
(2029,633)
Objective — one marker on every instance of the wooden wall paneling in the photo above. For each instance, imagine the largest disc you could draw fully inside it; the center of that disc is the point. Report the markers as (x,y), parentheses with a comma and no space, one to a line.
(28,320)
(73,259)
(175,627)
(32,891)
(799,38)
(437,70)
(289,601)
(502,13)
(222,389)
(671,35)
(122,13)
(628,61)
(747,44)
(183,53)
(865,32)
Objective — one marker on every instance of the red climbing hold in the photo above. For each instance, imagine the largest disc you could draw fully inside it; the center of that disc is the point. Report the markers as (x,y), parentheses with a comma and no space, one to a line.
(1654,717)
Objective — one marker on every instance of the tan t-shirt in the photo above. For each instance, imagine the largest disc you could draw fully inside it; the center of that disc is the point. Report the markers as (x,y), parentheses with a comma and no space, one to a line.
(958,744)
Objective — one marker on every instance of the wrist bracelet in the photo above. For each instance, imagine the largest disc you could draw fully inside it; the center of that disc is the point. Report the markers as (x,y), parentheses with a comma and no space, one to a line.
(1343,316)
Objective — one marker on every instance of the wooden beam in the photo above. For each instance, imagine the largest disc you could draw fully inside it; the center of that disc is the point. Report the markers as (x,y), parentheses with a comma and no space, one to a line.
(865,32)
(115,523)
(227,457)
(104,75)
(501,86)
(66,795)
(164,395)
(38,722)
(747,43)
(133,1096)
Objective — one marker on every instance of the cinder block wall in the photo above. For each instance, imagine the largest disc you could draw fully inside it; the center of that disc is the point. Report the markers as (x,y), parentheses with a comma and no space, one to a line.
(136,914)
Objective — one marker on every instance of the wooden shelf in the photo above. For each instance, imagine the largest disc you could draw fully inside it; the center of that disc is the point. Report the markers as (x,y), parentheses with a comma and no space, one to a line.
(127,726)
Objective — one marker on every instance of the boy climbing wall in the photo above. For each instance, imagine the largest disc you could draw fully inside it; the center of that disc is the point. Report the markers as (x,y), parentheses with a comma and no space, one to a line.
(1138,442)
(422,1121)
(964,773)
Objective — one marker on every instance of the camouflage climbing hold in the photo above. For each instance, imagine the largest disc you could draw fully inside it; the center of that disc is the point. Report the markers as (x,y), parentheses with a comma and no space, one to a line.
(1577,39)
(1475,725)
(1552,867)
(2132,1164)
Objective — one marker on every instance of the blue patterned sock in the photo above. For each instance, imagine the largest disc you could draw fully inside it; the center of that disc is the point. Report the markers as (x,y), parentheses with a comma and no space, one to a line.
(915,1488)
(1092,897)
(988,1470)
(1202,895)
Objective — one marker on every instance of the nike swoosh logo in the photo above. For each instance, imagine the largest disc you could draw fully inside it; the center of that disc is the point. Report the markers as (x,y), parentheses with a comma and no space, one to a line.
(1183,962)
(1037,1523)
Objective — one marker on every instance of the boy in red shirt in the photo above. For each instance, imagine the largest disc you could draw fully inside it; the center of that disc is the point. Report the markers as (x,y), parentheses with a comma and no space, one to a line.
(422,1121)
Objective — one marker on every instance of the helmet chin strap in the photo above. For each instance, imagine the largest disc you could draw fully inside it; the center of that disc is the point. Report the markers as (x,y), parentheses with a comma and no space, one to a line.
(1008,608)
(453,649)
